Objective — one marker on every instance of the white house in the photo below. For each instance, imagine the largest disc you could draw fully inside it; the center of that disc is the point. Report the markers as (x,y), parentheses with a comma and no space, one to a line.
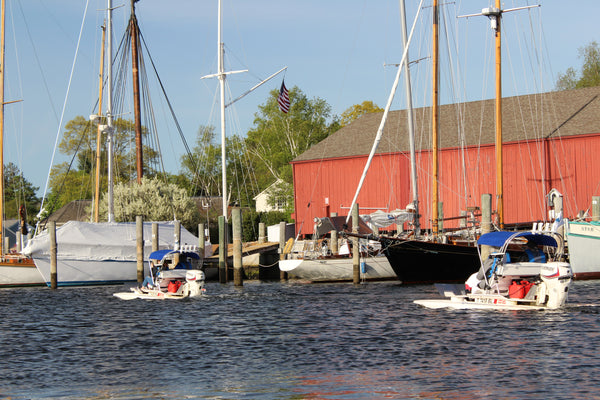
(262,199)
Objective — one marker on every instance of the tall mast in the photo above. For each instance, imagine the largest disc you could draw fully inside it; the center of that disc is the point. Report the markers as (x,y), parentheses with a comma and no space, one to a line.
(135,34)
(99,135)
(409,117)
(435,120)
(221,76)
(109,117)
(2,46)
(495,16)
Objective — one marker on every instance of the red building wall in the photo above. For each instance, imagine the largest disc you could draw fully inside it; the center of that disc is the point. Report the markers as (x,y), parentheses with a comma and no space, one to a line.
(531,170)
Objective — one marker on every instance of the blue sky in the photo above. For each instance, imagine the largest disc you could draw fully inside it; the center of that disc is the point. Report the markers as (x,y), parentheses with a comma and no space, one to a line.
(334,50)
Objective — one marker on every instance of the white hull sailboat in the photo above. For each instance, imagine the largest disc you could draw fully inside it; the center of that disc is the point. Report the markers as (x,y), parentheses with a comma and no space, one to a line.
(15,269)
(584,248)
(99,253)
(337,269)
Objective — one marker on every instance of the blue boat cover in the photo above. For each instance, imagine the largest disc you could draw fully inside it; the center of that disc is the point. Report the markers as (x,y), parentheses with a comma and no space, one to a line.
(497,239)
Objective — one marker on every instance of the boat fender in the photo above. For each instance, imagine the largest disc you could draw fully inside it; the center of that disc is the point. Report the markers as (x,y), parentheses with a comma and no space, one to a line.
(363,267)
(288,246)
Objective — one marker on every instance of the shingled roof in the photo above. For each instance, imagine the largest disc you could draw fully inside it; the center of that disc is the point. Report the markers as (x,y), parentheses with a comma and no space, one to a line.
(552,114)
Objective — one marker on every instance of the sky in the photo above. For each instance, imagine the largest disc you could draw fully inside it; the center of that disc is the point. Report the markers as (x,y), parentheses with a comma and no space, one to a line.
(335,50)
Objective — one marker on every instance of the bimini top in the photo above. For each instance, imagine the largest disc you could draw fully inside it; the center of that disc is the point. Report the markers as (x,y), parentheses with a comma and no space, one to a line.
(497,239)
(160,254)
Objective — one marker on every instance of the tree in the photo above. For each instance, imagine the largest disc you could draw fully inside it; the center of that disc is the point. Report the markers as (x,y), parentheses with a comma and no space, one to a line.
(154,201)
(76,181)
(18,191)
(590,70)
(277,138)
(358,110)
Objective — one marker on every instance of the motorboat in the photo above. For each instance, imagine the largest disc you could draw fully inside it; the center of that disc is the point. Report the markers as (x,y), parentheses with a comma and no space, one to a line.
(174,274)
(525,271)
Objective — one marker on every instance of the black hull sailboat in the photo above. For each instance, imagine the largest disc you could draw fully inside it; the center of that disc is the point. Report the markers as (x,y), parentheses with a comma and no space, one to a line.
(420,262)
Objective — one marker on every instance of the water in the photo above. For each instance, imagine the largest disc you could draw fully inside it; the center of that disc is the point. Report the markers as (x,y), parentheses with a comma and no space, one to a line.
(292,341)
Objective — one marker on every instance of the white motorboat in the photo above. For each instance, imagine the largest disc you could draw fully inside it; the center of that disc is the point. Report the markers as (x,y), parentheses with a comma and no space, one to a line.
(538,278)
(174,274)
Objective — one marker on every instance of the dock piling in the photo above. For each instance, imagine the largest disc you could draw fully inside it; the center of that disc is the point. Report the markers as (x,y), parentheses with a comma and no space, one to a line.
(355,247)
(139,227)
(236,220)
(53,255)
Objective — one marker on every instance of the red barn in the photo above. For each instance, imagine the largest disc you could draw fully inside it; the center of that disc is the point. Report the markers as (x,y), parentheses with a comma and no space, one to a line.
(551,140)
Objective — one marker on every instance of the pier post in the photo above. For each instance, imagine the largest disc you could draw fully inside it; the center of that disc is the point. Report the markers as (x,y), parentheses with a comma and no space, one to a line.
(53,255)
(139,229)
(558,210)
(334,245)
(486,221)
(201,241)
(282,274)
(155,236)
(222,250)
(355,247)
(440,220)
(262,237)
(236,220)
(595,208)
(19,241)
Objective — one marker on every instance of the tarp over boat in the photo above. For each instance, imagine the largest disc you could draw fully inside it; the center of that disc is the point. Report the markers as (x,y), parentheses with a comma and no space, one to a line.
(105,240)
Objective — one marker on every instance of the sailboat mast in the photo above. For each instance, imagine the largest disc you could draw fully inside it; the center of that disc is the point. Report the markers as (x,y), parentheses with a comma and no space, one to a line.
(2,46)
(409,116)
(109,117)
(134,31)
(221,75)
(499,163)
(435,120)
(99,134)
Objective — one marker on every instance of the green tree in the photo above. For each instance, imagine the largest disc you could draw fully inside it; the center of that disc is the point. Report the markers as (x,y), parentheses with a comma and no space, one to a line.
(18,191)
(590,70)
(75,182)
(357,111)
(203,167)
(277,138)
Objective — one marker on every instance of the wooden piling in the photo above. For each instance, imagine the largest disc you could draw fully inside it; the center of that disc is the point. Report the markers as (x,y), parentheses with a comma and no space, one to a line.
(486,221)
(595,208)
(155,236)
(282,274)
(19,241)
(236,220)
(177,234)
(334,242)
(262,237)
(355,247)
(139,229)
(201,241)
(53,255)
(222,250)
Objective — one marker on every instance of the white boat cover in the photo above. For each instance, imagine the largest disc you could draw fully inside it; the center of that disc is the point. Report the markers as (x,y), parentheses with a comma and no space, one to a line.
(104,240)
(382,219)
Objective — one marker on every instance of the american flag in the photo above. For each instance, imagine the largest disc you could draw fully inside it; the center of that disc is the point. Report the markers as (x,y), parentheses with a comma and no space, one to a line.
(283,99)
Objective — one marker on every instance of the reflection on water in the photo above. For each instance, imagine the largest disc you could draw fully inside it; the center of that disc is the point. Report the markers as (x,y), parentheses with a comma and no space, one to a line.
(292,341)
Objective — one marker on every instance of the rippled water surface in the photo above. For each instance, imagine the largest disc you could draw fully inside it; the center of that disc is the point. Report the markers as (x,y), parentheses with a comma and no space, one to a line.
(292,341)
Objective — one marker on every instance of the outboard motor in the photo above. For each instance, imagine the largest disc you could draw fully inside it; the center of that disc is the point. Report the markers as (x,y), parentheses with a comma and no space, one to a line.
(194,281)
(556,278)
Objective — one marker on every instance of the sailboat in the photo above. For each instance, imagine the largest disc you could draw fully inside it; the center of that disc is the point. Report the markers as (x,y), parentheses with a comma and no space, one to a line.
(92,253)
(15,268)
(416,259)
(428,261)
